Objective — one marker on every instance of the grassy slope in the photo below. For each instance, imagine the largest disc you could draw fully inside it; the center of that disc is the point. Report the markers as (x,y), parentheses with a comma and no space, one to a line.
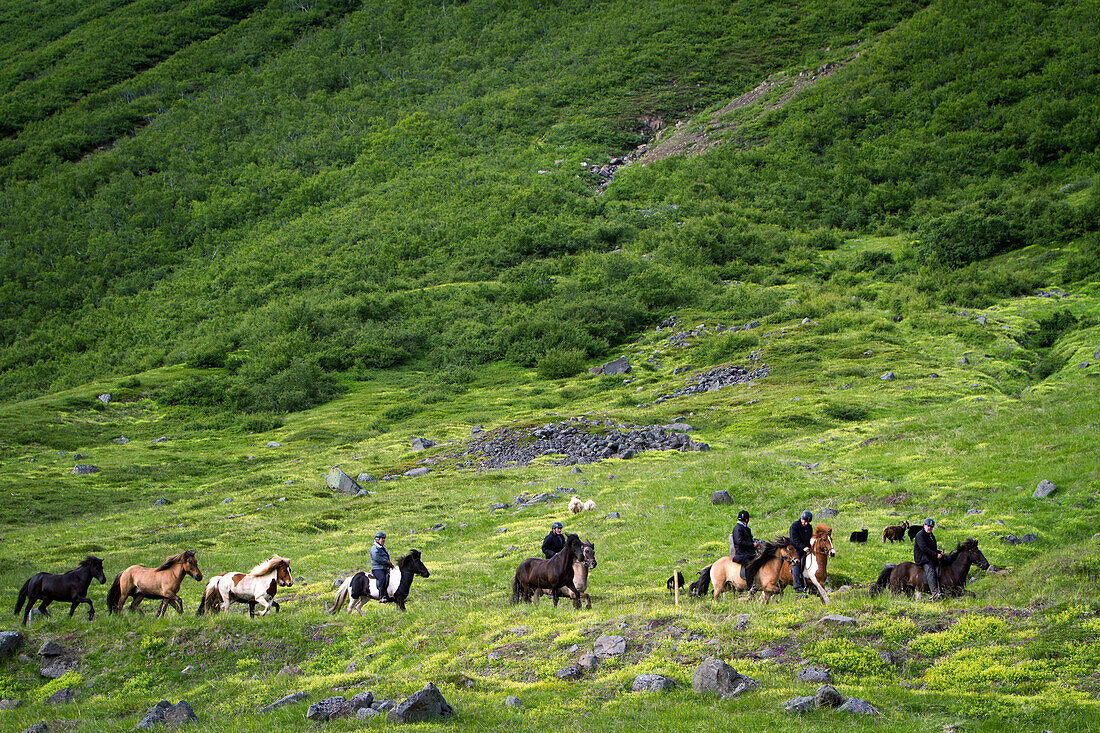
(1024,647)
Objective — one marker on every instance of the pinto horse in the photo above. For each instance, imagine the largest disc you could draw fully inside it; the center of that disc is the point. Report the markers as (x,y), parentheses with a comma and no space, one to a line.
(361,587)
(163,582)
(257,586)
(71,586)
(815,567)
(908,577)
(552,575)
(725,574)
(580,574)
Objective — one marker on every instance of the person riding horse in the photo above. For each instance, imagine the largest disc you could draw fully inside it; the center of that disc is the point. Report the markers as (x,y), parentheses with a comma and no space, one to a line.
(743,547)
(801,533)
(927,554)
(554,542)
(380,565)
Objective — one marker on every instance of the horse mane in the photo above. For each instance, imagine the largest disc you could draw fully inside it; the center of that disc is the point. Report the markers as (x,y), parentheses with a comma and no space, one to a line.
(91,561)
(821,530)
(770,551)
(415,554)
(169,562)
(267,565)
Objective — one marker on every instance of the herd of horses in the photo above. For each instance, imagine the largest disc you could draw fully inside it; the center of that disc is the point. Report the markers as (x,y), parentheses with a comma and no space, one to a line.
(563,575)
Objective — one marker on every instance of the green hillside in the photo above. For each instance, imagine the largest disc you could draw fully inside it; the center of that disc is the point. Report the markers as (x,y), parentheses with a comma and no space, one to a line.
(289,236)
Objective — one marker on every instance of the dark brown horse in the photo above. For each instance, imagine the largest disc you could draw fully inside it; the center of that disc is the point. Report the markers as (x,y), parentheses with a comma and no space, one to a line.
(71,587)
(552,575)
(908,577)
(162,582)
(580,574)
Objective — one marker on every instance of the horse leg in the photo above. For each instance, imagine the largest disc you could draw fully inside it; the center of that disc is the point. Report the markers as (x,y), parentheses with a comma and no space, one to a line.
(275,604)
(42,607)
(819,588)
(575,594)
(72,609)
(91,608)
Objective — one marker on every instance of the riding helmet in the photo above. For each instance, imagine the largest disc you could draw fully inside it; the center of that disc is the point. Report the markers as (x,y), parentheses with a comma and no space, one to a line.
(556,525)
(930,522)
(742,516)
(379,533)
(808,515)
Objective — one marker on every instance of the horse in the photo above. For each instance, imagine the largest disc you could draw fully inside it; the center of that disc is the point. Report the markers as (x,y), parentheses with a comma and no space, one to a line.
(71,586)
(580,574)
(361,587)
(908,577)
(257,586)
(552,574)
(817,561)
(162,582)
(766,568)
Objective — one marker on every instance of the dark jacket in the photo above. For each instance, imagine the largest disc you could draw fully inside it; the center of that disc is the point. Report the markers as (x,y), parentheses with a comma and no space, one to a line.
(744,547)
(925,549)
(379,557)
(801,536)
(553,544)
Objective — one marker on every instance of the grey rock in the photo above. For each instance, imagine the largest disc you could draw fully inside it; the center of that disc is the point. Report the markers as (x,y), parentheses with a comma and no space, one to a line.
(37,728)
(800,705)
(858,707)
(609,646)
(366,713)
(512,701)
(588,662)
(180,713)
(1083,365)
(887,658)
(384,705)
(362,492)
(814,674)
(767,653)
(160,502)
(161,439)
(52,649)
(1096,354)
(652,683)
(365,478)
(742,622)
(361,700)
(329,709)
(964,360)
(83,469)
(715,676)
(827,513)
(827,697)
(105,398)
(1028,538)
(1011,539)
(837,620)
(10,704)
(972,512)
(1044,489)
(340,482)
(680,426)
(122,440)
(288,671)
(613,515)
(421,443)
(274,444)
(618,366)
(61,697)
(572,672)
(10,641)
(350,668)
(476,431)
(227,499)
(155,715)
(888,377)
(981,320)
(424,705)
(721,497)
(575,469)
(417,472)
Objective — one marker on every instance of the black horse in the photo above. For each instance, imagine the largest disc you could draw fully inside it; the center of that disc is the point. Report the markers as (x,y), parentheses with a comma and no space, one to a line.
(71,587)
(551,575)
(908,577)
(361,587)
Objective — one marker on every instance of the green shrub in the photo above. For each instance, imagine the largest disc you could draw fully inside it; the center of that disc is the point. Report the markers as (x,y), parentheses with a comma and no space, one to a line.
(559,363)
(846,411)
(68,680)
(966,236)
(260,422)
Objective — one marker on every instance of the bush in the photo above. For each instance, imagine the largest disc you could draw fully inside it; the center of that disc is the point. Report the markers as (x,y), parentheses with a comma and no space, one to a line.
(260,422)
(559,363)
(962,237)
(846,412)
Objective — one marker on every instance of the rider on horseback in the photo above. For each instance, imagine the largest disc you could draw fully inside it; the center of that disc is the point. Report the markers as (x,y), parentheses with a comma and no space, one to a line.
(928,556)
(743,547)
(801,533)
(554,542)
(380,566)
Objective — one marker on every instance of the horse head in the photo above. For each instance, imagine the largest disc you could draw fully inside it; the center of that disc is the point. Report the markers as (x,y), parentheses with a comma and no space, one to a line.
(976,556)
(823,537)
(95,565)
(413,564)
(282,573)
(589,551)
(786,550)
(574,548)
(191,564)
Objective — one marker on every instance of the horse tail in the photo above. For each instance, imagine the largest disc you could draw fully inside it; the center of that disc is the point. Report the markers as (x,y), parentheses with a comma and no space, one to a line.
(883,579)
(517,589)
(341,595)
(202,601)
(702,585)
(114,596)
(23,593)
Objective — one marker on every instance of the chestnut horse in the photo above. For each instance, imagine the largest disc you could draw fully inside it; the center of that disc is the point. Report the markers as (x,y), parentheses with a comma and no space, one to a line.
(71,587)
(766,568)
(257,586)
(815,567)
(908,577)
(552,575)
(162,582)
(580,574)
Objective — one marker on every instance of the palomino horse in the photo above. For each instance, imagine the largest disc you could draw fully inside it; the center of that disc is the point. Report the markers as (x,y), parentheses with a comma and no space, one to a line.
(162,582)
(580,574)
(908,577)
(361,587)
(257,586)
(71,587)
(766,568)
(552,575)
(815,567)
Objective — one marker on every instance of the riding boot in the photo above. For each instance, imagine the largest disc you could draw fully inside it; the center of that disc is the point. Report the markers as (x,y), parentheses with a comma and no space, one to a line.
(797,579)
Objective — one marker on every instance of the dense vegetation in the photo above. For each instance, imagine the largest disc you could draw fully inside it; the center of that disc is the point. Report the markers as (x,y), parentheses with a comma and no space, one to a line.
(335,227)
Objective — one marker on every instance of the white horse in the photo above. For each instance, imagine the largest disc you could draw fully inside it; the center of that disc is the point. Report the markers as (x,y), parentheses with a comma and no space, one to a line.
(257,586)
(817,560)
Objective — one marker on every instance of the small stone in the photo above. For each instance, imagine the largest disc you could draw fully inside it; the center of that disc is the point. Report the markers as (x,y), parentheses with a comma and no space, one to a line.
(1044,489)
(329,708)
(888,377)
(972,512)
(800,705)
(512,701)
(105,398)
(652,683)
(421,444)
(858,707)
(274,444)
(417,472)
(61,697)
(613,515)
(817,675)
(10,704)
(160,502)
(10,641)
(837,620)
(609,646)
(828,697)
(187,671)
(83,469)
(588,662)
(365,713)
(570,673)
(122,440)
(721,497)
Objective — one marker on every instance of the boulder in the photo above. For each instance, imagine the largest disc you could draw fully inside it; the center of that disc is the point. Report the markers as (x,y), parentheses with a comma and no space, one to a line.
(570,673)
(329,709)
(417,472)
(10,704)
(165,713)
(361,700)
(619,366)
(424,705)
(61,697)
(652,683)
(714,675)
(179,714)
(858,707)
(828,697)
(340,482)
(367,713)
(814,674)
(588,662)
(10,641)
(1044,489)
(284,701)
(721,497)
(421,443)
(55,660)
(837,620)
(365,478)
(609,646)
(800,705)
(512,701)
(83,469)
